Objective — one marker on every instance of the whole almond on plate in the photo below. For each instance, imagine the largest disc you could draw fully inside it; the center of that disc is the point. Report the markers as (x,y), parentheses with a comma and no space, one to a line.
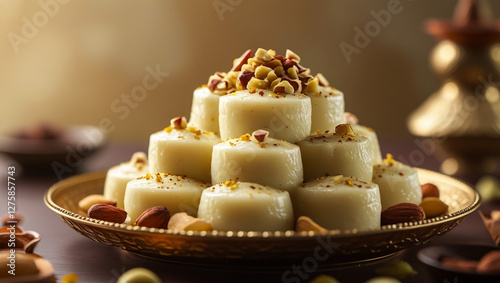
(305,223)
(107,212)
(489,263)
(402,212)
(433,206)
(154,217)
(182,221)
(429,190)
(90,200)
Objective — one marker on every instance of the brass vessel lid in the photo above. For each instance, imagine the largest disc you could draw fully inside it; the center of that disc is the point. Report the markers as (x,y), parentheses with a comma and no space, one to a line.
(471,24)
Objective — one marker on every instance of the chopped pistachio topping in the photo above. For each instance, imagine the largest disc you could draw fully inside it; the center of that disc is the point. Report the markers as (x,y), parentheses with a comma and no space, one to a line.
(178,123)
(260,135)
(266,70)
(344,129)
(389,159)
(231,184)
(338,179)
(158,177)
(245,137)
(139,159)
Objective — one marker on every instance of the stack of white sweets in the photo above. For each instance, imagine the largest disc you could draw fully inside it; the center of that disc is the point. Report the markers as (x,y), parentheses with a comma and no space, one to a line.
(266,143)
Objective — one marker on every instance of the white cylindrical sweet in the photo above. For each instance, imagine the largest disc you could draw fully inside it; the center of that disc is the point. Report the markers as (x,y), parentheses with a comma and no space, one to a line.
(397,182)
(286,117)
(272,162)
(327,109)
(372,141)
(205,110)
(242,206)
(337,202)
(176,193)
(333,154)
(118,176)
(182,152)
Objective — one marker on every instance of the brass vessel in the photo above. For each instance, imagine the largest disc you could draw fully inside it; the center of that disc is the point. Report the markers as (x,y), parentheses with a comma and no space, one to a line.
(463,117)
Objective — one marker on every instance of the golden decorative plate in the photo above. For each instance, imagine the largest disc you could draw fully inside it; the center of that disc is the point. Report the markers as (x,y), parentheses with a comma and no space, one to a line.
(335,247)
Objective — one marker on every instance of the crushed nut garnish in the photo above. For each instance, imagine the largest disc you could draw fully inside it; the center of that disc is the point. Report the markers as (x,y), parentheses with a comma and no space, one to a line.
(147,177)
(245,137)
(178,123)
(260,135)
(232,185)
(158,177)
(390,159)
(338,179)
(344,129)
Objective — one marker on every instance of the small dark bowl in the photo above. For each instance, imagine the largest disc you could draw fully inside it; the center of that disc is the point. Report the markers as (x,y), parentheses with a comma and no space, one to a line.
(432,256)
(74,145)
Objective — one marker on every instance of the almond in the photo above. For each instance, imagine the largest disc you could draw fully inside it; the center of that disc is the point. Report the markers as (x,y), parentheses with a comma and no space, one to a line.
(350,118)
(344,129)
(402,212)
(242,60)
(154,217)
(459,264)
(182,221)
(495,214)
(489,263)
(322,80)
(430,190)
(90,200)
(292,56)
(260,135)
(178,123)
(433,206)
(107,212)
(245,77)
(305,223)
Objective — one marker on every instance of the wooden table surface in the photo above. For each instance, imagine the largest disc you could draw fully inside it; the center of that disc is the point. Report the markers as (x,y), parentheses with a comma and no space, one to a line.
(70,252)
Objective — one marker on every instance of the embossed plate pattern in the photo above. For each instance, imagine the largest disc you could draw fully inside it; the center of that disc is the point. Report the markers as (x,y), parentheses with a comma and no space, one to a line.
(342,246)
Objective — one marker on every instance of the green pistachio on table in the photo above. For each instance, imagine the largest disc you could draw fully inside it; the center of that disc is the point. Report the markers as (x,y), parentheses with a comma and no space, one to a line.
(324,279)
(139,275)
(396,268)
(489,188)
(383,279)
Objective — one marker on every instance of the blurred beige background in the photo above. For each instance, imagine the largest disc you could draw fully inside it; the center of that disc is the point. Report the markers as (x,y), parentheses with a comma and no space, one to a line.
(78,62)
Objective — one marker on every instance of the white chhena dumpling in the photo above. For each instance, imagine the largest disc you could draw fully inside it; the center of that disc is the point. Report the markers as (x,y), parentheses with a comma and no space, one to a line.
(243,206)
(397,182)
(286,117)
(118,176)
(182,150)
(259,159)
(339,153)
(327,109)
(205,110)
(176,193)
(372,141)
(337,202)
